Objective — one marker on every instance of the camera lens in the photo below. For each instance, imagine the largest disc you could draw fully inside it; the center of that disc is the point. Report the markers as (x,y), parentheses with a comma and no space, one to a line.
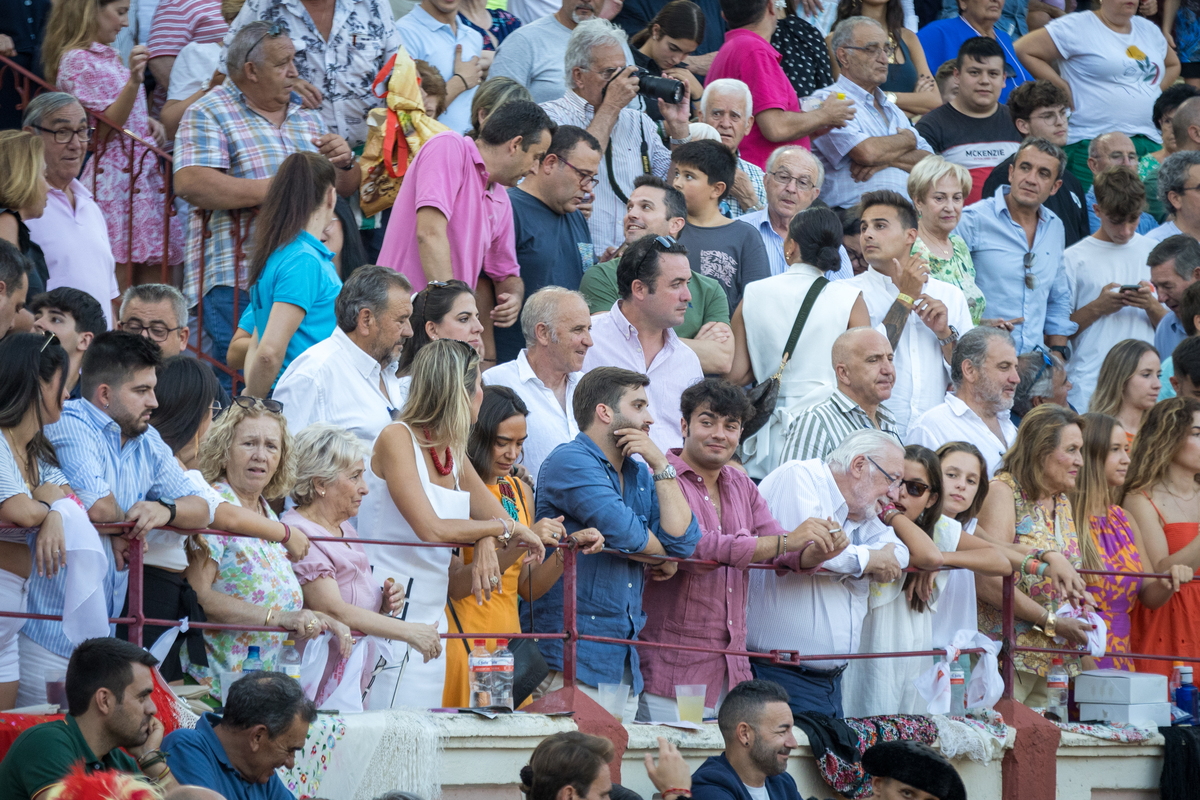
(652,86)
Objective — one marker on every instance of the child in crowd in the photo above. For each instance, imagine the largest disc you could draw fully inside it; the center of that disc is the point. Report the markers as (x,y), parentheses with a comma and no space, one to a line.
(433,89)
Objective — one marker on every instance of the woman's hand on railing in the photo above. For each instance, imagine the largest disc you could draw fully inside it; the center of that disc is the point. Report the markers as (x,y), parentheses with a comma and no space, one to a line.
(158,132)
(424,639)
(921,585)
(297,545)
(1068,583)
(537,550)
(1073,630)
(671,771)
(393,597)
(51,547)
(303,624)
(1180,574)
(340,631)
(590,540)
(485,568)
(550,530)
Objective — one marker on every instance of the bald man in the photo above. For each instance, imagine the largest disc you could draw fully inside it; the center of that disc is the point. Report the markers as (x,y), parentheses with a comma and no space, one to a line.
(862,361)
(1185,125)
(1113,149)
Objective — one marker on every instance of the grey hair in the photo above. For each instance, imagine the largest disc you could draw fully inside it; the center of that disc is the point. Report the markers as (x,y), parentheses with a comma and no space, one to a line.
(541,308)
(1173,175)
(973,347)
(271,699)
(367,287)
(157,293)
(1181,247)
(871,443)
(244,42)
(323,452)
(1095,144)
(843,34)
(45,104)
(780,152)
(1032,365)
(727,86)
(586,37)
(1049,148)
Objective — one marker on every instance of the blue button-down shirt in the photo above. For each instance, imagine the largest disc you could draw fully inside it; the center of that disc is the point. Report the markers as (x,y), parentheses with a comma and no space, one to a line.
(1167,336)
(198,759)
(774,244)
(88,444)
(579,483)
(434,41)
(998,247)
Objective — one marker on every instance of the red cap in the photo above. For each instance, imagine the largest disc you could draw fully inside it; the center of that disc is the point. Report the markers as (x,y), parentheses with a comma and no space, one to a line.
(482,642)
(1056,661)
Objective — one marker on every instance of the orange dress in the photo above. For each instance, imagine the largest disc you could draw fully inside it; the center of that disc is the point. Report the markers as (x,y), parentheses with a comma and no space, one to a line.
(1170,630)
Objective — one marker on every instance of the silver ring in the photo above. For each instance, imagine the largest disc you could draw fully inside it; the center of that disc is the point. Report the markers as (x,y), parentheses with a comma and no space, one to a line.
(494,580)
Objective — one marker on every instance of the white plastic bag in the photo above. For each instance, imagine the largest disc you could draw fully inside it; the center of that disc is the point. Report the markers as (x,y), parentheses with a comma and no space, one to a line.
(934,683)
(986,686)
(312,665)
(162,645)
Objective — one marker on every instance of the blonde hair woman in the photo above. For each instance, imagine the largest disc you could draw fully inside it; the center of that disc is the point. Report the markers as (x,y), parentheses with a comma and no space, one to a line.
(938,190)
(1128,385)
(23,196)
(423,489)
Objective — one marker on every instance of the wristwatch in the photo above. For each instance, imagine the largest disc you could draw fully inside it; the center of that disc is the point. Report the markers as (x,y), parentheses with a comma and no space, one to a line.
(169,506)
(667,474)
(1063,350)
(951,339)
(891,97)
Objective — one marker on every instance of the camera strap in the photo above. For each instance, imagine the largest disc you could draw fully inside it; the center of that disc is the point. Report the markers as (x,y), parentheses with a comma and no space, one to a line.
(608,156)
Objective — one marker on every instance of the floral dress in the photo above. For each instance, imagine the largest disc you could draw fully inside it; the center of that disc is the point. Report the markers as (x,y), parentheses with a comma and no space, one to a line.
(258,572)
(957,270)
(1035,530)
(1115,595)
(96,76)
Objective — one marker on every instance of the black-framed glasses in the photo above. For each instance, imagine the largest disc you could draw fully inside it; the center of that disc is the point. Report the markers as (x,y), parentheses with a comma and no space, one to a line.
(51,339)
(1030,261)
(157,331)
(248,403)
(277,28)
(64,135)
(893,480)
(587,180)
(1186,189)
(663,242)
(915,488)
(785,179)
(874,50)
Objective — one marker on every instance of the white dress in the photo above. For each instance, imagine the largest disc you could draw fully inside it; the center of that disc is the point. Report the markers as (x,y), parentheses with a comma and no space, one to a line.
(424,574)
(769,308)
(875,686)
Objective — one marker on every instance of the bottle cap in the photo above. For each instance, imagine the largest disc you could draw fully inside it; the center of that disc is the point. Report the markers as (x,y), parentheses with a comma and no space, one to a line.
(253,651)
(479,642)
(1185,672)
(501,643)
(1056,662)
(288,643)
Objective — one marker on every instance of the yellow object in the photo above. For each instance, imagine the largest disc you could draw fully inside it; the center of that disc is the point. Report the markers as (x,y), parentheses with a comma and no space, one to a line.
(906,299)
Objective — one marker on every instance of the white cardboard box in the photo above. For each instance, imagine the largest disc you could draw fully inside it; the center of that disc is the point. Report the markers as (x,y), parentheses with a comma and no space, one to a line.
(1112,686)
(1139,714)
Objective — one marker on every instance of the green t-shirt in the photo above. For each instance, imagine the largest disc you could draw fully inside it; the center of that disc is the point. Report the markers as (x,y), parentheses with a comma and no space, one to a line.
(44,754)
(709,304)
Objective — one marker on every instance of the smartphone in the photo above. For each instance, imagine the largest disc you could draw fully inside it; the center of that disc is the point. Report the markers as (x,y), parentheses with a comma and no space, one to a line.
(1135,287)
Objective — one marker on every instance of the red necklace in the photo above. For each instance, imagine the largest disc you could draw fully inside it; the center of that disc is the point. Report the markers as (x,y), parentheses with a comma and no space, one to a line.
(437,463)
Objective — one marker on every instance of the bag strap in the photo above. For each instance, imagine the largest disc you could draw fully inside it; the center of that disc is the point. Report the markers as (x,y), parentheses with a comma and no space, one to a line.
(457,624)
(810,299)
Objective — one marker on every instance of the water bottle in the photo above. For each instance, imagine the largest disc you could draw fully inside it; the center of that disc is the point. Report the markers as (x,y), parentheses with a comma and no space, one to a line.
(1056,690)
(1174,681)
(504,664)
(958,690)
(252,662)
(289,660)
(1186,695)
(479,664)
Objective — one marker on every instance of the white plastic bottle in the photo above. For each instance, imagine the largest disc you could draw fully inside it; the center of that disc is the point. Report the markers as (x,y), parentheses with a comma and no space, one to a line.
(289,660)
(479,664)
(1056,690)
(504,665)
(958,690)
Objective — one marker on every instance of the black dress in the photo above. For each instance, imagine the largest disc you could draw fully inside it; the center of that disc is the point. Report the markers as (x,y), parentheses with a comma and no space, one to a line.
(805,55)
(36,268)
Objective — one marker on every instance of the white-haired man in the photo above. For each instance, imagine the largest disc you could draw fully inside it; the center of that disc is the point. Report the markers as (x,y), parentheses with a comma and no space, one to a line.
(824,613)
(600,87)
(728,106)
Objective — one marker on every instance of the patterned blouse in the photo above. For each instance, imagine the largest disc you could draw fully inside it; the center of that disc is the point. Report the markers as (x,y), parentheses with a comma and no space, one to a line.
(805,55)
(503,23)
(1115,596)
(957,270)
(1035,530)
(258,572)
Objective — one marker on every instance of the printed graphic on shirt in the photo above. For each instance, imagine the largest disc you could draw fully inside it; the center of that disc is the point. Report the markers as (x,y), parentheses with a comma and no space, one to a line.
(1142,65)
(719,266)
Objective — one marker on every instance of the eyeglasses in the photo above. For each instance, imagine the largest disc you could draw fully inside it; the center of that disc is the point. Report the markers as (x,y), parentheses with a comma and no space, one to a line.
(1046,364)
(64,135)
(1185,189)
(51,339)
(915,488)
(1050,117)
(608,74)
(247,402)
(893,480)
(586,179)
(785,179)
(874,50)
(157,331)
(1030,261)
(276,28)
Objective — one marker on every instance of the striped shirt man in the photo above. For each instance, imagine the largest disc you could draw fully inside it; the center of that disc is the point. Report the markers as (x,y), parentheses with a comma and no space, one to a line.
(820,429)
(177,23)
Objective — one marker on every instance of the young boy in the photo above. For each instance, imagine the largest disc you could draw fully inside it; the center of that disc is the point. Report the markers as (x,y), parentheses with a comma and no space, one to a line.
(1111,293)
(728,251)
(75,318)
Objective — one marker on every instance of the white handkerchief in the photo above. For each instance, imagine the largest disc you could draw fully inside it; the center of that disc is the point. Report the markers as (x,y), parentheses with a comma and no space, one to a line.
(85,607)
(1097,640)
(985,686)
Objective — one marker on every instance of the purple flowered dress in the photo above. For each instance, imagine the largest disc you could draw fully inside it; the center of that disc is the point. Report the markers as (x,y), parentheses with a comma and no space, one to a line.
(96,76)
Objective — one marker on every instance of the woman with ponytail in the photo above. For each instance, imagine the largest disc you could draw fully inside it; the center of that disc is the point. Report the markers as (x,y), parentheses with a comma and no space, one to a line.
(763,322)
(293,280)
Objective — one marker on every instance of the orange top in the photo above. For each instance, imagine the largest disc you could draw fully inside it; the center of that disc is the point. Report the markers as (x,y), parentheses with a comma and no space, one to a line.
(1170,630)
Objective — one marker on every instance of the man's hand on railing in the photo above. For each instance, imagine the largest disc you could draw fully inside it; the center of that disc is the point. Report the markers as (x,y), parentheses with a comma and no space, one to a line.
(671,771)
(827,537)
(1068,583)
(296,546)
(158,132)
(310,94)
(51,547)
(664,571)
(882,566)
(120,548)
(590,540)
(146,515)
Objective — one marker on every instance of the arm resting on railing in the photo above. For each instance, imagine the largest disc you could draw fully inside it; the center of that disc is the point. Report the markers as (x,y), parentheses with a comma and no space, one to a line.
(324,596)
(212,189)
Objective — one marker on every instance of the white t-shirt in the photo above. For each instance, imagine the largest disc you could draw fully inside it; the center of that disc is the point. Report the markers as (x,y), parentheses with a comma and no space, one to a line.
(193,66)
(1114,77)
(758,792)
(1091,264)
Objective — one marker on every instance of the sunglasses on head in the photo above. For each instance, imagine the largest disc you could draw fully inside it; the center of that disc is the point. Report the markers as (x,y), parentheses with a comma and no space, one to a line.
(247,402)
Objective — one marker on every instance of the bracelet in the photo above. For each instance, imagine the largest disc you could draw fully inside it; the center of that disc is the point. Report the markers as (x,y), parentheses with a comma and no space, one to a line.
(1025,564)
(287,533)
(1033,567)
(461,78)
(1041,554)
(267,622)
(166,773)
(1041,570)
(150,759)
(678,792)
(906,299)
(47,505)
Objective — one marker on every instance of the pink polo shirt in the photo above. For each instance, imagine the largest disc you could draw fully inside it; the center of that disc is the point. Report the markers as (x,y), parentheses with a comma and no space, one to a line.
(75,242)
(751,59)
(449,175)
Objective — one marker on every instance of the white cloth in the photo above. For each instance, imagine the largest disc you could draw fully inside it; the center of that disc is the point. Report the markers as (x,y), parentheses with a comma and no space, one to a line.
(423,572)
(85,606)
(757,792)
(922,373)
(1097,638)
(1091,265)
(985,685)
(549,424)
(165,549)
(956,607)
(954,421)
(13,595)
(36,661)
(193,66)
(1168,228)
(336,381)
(1114,77)
(814,613)
(769,309)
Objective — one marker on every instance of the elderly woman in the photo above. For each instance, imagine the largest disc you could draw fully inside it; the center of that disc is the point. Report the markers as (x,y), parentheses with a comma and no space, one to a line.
(1113,64)
(336,577)
(1027,504)
(939,190)
(248,459)
(1164,112)
(1129,383)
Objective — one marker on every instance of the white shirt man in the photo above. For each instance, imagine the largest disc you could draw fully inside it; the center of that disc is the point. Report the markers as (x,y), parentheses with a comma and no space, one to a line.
(350,378)
(985,376)
(557,328)
(727,106)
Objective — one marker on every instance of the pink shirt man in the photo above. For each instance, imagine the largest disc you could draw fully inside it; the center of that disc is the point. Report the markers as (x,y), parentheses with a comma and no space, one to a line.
(449,175)
(751,59)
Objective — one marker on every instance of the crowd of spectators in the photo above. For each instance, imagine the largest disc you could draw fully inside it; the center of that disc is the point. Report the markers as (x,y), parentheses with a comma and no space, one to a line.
(844,293)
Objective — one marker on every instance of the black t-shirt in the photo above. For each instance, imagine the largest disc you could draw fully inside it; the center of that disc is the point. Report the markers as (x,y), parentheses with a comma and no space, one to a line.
(1068,202)
(971,142)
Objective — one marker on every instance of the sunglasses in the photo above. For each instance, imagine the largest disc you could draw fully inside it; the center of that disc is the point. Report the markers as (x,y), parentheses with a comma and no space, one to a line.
(276,29)
(1030,261)
(915,488)
(1046,364)
(273,406)
(663,242)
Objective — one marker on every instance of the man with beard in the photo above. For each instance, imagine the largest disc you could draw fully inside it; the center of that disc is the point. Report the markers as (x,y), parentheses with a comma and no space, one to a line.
(593,482)
(737,529)
(109,707)
(349,380)
(983,370)
(756,723)
(121,471)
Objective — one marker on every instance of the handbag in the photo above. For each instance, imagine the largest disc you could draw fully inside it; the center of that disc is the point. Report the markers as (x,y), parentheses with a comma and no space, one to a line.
(763,396)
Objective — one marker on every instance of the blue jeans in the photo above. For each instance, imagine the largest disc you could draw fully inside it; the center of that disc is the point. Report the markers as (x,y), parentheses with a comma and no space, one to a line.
(220,324)
(808,690)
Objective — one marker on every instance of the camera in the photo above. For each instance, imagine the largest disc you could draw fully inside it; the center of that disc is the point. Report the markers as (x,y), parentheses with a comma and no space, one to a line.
(653,87)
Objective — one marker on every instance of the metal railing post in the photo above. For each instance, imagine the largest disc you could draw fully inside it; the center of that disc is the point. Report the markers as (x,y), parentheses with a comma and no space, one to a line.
(570,623)
(136,592)
(1007,654)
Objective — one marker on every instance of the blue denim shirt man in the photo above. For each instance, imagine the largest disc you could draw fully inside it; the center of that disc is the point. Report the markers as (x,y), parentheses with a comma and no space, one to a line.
(593,482)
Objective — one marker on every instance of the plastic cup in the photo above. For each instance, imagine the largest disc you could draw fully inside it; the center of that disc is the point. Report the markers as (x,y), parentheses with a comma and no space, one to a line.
(690,699)
(613,697)
(56,687)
